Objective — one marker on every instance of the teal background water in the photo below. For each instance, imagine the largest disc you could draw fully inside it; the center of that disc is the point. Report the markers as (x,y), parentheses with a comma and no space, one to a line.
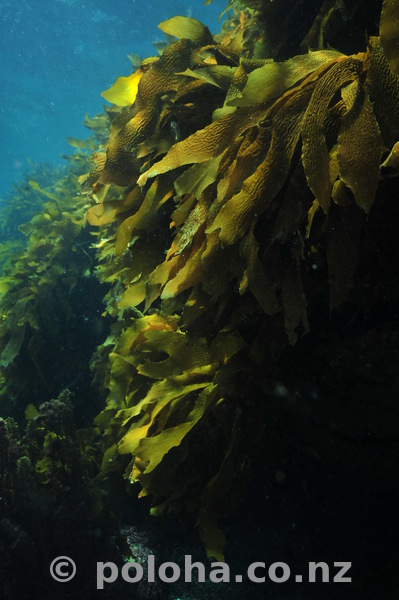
(57,56)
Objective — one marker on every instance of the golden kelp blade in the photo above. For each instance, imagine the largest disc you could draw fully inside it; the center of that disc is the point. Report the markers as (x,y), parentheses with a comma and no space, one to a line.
(392,160)
(152,449)
(315,154)
(187,28)
(98,122)
(218,75)
(206,143)
(82,144)
(360,146)
(389,33)
(258,190)
(273,79)
(35,186)
(124,91)
(383,88)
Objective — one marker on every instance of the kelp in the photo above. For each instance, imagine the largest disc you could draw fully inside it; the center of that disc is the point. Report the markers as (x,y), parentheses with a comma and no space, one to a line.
(49,493)
(32,303)
(229,191)
(389,32)
(51,255)
(282,28)
(222,188)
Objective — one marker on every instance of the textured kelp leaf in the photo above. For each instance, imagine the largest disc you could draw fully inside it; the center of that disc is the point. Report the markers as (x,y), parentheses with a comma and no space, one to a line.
(392,160)
(160,372)
(124,360)
(190,274)
(195,179)
(247,157)
(273,79)
(107,209)
(82,144)
(102,214)
(224,346)
(293,210)
(360,146)
(88,181)
(259,189)
(162,76)
(340,194)
(334,165)
(96,123)
(155,197)
(158,79)
(146,258)
(11,350)
(161,274)
(35,186)
(204,264)
(315,155)
(184,355)
(206,143)
(108,460)
(236,87)
(164,392)
(389,33)
(185,394)
(383,88)
(6,283)
(188,28)
(122,166)
(121,376)
(124,91)
(135,335)
(179,215)
(186,235)
(156,144)
(151,450)
(218,75)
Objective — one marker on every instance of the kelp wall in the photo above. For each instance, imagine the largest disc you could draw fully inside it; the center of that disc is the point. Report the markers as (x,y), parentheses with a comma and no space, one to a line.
(241,200)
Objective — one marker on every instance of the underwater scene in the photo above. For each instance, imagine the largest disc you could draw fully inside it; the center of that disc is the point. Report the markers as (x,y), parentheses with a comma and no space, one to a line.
(199,300)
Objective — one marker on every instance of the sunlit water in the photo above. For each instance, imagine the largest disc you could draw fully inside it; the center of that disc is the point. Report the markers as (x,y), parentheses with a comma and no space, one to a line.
(57,58)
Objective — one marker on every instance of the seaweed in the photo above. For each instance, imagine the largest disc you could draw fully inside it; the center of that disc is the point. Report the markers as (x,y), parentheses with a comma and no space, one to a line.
(50,498)
(51,263)
(226,205)
(243,189)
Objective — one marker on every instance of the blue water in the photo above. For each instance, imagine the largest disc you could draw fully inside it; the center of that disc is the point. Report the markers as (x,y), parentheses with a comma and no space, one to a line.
(57,56)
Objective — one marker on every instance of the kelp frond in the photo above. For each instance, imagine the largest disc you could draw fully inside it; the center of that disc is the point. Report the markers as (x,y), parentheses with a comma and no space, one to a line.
(222,185)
